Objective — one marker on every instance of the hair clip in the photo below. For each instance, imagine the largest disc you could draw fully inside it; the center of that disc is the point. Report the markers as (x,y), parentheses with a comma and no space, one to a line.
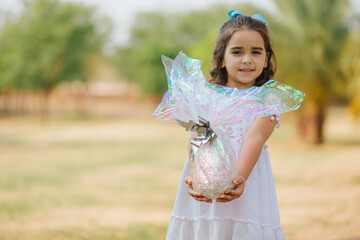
(235,13)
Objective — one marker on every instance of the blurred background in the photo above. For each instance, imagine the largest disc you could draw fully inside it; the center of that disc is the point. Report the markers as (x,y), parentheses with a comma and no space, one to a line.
(81,156)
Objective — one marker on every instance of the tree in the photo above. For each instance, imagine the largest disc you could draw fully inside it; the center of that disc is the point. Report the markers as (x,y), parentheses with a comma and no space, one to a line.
(140,61)
(350,66)
(155,34)
(49,43)
(310,37)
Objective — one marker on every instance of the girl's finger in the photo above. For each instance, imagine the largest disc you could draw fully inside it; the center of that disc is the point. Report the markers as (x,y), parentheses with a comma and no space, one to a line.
(193,193)
(229,192)
(188,180)
(203,199)
(226,197)
(197,196)
(238,180)
(239,191)
(207,200)
(222,200)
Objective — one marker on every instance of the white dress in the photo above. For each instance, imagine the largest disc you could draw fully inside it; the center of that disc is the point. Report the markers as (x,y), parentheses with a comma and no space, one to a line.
(253,216)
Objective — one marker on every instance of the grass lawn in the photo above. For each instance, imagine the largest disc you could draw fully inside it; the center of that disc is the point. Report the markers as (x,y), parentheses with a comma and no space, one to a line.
(117,179)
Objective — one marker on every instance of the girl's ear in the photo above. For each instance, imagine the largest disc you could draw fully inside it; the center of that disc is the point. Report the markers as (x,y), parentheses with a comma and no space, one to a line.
(223,64)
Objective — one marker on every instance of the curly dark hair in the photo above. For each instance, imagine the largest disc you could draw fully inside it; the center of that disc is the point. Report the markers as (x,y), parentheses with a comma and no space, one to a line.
(218,73)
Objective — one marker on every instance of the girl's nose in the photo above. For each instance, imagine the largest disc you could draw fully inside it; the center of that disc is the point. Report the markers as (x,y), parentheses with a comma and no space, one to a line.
(246,59)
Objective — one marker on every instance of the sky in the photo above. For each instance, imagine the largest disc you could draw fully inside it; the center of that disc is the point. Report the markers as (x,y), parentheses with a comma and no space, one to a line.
(122,12)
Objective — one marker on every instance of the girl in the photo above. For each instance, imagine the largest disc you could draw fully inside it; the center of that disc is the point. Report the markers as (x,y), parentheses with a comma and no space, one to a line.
(243,62)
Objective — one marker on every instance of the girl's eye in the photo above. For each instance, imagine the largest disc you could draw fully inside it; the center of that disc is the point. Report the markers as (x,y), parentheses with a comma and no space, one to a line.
(256,52)
(236,52)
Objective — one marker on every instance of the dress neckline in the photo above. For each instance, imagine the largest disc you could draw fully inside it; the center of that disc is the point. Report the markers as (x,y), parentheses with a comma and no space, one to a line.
(225,89)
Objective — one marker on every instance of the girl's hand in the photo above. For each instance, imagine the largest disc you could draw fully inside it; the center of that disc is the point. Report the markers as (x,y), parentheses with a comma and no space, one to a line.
(230,195)
(197,196)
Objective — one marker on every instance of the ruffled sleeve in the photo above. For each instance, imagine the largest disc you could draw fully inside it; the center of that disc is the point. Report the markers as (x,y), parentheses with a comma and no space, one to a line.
(277,98)
(276,118)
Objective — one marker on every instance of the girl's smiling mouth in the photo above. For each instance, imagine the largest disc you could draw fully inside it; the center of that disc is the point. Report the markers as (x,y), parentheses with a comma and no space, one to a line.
(247,70)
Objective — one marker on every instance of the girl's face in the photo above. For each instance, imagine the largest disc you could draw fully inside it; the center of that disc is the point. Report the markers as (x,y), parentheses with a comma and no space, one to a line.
(245,58)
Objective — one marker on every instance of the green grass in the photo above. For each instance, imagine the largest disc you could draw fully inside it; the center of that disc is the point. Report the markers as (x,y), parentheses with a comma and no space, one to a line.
(84,178)
(53,170)
(133,232)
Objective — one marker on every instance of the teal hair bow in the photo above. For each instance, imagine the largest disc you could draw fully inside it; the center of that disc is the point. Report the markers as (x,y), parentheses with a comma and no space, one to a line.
(235,13)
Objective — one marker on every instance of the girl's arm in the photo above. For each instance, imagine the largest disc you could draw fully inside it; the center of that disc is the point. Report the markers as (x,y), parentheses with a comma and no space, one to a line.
(255,138)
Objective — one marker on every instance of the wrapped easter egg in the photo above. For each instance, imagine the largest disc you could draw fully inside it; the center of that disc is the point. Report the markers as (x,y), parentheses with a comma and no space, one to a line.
(212,163)
(212,169)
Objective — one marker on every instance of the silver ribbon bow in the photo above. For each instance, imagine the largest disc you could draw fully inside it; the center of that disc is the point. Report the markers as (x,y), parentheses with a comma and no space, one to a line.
(204,133)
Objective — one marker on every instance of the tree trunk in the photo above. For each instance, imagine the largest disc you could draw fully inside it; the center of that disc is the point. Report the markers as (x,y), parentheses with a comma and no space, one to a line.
(301,123)
(319,120)
(314,111)
(310,122)
(313,122)
(44,111)
(22,101)
(6,95)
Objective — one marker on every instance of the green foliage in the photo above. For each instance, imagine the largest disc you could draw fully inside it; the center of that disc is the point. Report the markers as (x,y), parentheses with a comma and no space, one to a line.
(151,37)
(50,42)
(156,34)
(350,67)
(310,37)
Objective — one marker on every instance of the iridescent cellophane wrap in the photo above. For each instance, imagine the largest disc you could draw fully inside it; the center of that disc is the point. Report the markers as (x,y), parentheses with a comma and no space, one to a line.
(212,167)
(190,97)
